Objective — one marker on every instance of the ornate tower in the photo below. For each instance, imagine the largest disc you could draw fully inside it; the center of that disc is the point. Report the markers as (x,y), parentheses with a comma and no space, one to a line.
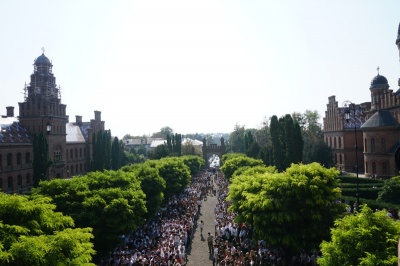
(42,110)
(379,86)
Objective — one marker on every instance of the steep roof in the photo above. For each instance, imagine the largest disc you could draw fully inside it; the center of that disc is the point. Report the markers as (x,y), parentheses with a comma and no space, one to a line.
(382,118)
(11,131)
(74,133)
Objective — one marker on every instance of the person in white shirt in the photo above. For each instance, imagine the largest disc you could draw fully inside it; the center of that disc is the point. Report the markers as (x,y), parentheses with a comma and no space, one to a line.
(201,226)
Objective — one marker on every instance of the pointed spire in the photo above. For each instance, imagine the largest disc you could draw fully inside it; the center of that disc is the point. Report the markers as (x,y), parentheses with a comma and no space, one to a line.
(378,69)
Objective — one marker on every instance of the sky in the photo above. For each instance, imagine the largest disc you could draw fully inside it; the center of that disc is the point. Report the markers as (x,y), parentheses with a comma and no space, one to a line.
(198,66)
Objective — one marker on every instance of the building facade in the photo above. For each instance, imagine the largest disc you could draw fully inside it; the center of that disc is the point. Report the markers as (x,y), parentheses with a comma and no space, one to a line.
(370,136)
(70,148)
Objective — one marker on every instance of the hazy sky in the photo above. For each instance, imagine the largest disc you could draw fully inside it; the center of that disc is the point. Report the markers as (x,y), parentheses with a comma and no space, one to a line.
(198,66)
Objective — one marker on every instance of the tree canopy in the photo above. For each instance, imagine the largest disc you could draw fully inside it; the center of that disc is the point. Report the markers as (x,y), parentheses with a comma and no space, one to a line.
(230,166)
(390,191)
(32,233)
(111,202)
(366,238)
(293,209)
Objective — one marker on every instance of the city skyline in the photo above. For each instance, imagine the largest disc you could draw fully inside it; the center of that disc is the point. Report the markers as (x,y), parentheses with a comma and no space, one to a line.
(199,66)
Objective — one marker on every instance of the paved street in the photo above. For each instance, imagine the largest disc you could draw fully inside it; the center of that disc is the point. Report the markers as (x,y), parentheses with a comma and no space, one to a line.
(198,253)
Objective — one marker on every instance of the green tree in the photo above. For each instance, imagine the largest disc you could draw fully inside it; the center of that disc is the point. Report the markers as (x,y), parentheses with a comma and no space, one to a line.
(294,209)
(110,202)
(152,184)
(366,238)
(161,151)
(101,144)
(32,233)
(236,139)
(230,166)
(195,163)
(41,162)
(278,147)
(115,154)
(390,191)
(175,173)
(315,149)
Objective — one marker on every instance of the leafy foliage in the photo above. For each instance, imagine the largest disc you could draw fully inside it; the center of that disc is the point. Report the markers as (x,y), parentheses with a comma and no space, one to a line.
(390,191)
(152,184)
(195,163)
(230,166)
(41,162)
(366,238)
(175,173)
(111,202)
(31,233)
(276,204)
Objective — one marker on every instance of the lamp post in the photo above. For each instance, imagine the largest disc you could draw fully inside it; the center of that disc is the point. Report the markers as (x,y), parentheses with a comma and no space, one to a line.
(347,111)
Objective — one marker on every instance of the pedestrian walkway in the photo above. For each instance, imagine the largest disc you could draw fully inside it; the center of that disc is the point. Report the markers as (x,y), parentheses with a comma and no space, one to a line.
(198,252)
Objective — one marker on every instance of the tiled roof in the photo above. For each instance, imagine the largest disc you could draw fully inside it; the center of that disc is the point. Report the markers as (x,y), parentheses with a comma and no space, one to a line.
(12,132)
(84,129)
(74,133)
(382,118)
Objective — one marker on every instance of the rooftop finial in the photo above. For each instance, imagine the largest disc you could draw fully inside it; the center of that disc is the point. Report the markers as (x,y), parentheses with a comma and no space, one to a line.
(378,69)
(43,50)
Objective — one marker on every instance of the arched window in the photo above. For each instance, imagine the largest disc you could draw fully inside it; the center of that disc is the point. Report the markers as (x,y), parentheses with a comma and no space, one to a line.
(27,158)
(1,160)
(340,158)
(80,153)
(373,168)
(330,142)
(80,168)
(71,154)
(10,184)
(19,158)
(334,142)
(66,154)
(383,145)
(366,167)
(9,159)
(340,142)
(372,145)
(365,145)
(72,170)
(384,168)
(76,169)
(57,154)
(76,153)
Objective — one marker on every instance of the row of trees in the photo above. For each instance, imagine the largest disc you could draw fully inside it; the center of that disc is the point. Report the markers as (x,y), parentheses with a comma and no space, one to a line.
(86,215)
(281,141)
(299,209)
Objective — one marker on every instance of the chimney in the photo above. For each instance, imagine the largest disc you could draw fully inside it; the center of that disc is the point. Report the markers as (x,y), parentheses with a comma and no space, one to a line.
(97,115)
(10,111)
(78,120)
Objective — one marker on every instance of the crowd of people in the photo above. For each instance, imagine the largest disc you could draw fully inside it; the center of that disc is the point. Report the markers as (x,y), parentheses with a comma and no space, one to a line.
(164,240)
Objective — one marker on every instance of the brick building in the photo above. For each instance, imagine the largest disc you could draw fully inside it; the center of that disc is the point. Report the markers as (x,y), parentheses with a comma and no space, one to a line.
(70,148)
(373,127)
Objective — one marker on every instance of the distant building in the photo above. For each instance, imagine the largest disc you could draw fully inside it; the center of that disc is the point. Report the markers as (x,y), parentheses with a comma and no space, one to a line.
(70,148)
(374,125)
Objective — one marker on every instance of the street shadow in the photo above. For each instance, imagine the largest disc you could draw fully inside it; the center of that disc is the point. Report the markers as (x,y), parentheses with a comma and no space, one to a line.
(202,238)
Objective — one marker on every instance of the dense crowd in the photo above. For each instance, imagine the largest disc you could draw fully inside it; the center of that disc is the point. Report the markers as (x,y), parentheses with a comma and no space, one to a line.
(164,240)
